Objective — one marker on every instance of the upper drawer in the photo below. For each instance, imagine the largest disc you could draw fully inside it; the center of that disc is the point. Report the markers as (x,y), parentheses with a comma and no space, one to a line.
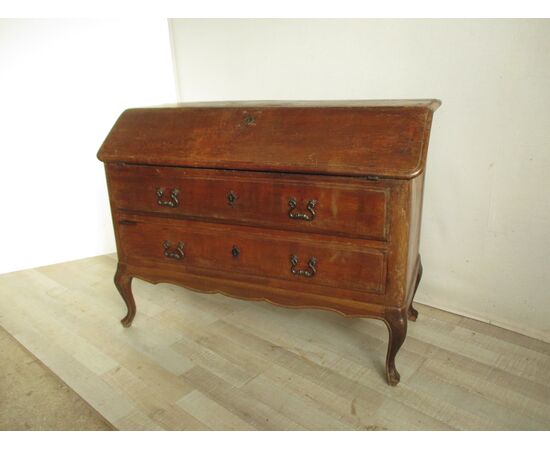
(293,202)
(386,139)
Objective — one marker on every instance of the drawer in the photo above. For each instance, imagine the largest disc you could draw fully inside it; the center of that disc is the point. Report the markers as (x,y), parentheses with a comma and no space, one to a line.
(306,203)
(230,249)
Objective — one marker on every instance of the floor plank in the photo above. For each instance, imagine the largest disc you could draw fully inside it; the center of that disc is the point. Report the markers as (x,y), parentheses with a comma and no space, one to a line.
(194,361)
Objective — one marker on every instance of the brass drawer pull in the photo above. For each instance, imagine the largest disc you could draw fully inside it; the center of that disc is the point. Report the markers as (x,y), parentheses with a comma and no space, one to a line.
(310,207)
(174,254)
(312,264)
(173,195)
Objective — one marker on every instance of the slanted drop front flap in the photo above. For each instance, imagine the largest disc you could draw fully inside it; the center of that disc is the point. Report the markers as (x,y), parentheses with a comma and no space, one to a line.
(387,140)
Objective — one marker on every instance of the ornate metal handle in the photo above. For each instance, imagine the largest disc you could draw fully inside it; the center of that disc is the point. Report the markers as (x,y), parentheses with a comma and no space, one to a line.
(310,207)
(174,254)
(173,195)
(312,264)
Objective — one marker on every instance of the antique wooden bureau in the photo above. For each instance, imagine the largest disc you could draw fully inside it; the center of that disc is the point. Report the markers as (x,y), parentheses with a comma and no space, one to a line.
(304,205)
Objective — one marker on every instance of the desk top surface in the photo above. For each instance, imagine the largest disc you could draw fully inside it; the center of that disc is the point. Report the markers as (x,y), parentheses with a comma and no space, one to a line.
(385,138)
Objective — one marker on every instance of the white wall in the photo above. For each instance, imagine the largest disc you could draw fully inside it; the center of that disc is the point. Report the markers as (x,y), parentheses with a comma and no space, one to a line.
(486,228)
(63,83)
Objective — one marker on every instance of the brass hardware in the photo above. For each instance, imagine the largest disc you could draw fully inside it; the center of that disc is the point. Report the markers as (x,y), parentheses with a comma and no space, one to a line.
(310,207)
(174,254)
(249,120)
(173,195)
(231,197)
(235,251)
(312,264)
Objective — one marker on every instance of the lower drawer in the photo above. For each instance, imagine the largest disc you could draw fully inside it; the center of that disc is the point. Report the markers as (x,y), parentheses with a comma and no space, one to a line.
(230,249)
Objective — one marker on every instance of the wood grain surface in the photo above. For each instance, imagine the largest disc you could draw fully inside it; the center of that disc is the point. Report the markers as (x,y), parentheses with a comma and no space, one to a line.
(225,251)
(343,206)
(387,140)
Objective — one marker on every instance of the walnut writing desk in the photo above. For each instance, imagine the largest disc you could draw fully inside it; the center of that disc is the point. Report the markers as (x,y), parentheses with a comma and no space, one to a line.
(304,204)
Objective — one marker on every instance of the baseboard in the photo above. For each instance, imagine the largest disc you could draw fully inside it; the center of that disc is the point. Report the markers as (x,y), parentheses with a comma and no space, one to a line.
(501,323)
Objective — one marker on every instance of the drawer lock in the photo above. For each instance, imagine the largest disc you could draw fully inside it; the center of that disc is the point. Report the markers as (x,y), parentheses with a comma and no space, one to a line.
(231,197)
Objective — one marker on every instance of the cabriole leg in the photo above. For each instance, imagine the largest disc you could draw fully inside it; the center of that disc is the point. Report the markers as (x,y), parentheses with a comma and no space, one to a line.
(413,313)
(123,282)
(396,322)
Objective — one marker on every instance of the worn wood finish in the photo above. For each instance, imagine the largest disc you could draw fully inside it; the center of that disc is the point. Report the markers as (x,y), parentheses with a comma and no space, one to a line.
(225,251)
(413,313)
(384,140)
(343,206)
(123,282)
(195,361)
(306,206)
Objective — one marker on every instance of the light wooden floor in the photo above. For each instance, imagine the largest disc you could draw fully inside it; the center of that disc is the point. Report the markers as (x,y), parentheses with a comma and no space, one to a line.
(195,361)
